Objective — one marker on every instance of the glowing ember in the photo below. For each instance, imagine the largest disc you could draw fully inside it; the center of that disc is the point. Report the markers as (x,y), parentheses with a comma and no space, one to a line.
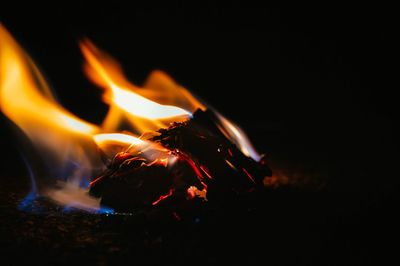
(195,192)
(163,197)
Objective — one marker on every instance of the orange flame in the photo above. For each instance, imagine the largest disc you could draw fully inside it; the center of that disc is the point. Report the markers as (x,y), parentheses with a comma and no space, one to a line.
(27,101)
(127,100)
(32,102)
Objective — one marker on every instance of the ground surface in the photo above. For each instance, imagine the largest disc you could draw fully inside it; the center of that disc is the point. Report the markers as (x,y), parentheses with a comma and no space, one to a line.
(289,225)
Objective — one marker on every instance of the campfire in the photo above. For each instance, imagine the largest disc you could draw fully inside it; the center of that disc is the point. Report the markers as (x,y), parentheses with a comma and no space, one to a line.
(158,146)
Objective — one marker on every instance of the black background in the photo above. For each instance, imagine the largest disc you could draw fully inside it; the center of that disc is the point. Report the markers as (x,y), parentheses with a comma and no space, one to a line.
(312,85)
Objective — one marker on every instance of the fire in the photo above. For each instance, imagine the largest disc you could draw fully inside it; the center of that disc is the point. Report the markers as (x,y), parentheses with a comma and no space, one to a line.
(60,136)
(125,98)
(27,101)
(237,136)
(117,139)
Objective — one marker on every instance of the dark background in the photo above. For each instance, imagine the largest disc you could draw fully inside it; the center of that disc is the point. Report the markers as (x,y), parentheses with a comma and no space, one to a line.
(312,85)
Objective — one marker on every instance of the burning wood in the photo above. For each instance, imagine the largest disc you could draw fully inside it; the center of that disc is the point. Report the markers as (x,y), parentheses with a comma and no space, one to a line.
(206,166)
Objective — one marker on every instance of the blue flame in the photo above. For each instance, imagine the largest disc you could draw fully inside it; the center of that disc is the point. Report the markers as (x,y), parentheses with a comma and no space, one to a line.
(101,210)
(28,203)
(31,204)
(105,210)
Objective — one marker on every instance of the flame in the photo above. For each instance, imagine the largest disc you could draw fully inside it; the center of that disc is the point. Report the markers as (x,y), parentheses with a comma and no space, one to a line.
(124,96)
(61,137)
(117,139)
(237,136)
(27,101)
(25,98)
(127,99)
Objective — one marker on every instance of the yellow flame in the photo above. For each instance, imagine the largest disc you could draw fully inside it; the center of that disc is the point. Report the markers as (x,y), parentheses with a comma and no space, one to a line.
(118,139)
(143,113)
(25,98)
